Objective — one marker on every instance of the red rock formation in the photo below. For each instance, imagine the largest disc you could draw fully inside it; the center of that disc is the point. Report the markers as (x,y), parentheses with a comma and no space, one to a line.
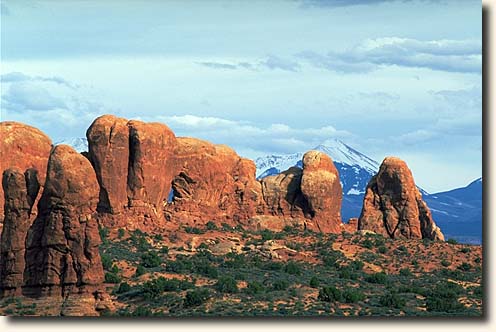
(134,163)
(213,183)
(108,145)
(23,147)
(21,190)
(393,205)
(282,193)
(62,257)
(321,187)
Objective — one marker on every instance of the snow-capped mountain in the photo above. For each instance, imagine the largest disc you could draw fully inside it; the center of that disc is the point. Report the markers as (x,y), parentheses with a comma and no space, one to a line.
(355,168)
(80,144)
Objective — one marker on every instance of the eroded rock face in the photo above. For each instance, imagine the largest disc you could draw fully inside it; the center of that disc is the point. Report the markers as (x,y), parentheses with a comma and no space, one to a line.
(21,190)
(134,164)
(23,147)
(393,205)
(321,188)
(282,193)
(213,183)
(62,257)
(108,145)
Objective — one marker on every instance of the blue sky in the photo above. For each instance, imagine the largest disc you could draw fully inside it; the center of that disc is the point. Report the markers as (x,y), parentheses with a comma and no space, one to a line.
(387,77)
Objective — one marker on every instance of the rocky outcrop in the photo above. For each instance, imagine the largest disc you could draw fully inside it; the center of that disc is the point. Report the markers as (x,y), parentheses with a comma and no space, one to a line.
(312,194)
(393,205)
(134,164)
(23,147)
(62,257)
(212,183)
(21,190)
(321,187)
(108,144)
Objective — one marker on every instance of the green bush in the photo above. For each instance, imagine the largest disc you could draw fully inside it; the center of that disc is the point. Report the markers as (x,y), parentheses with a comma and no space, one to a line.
(155,287)
(377,278)
(193,230)
(405,272)
(150,259)
(140,270)
(314,282)
(367,244)
(356,265)
(330,294)
(254,287)
(120,233)
(382,249)
(196,297)
(123,288)
(164,250)
(112,278)
(464,266)
(352,295)
(452,241)
(292,268)
(211,226)
(226,285)
(465,250)
(103,231)
(392,300)
(280,285)
(445,263)
(106,261)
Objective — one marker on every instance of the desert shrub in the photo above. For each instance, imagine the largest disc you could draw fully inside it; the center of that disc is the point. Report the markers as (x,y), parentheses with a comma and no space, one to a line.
(280,284)
(104,232)
(206,269)
(314,282)
(405,272)
(352,295)
(444,298)
(464,266)
(392,300)
(140,270)
(112,278)
(193,230)
(123,288)
(106,261)
(465,250)
(330,294)
(382,249)
(452,241)
(273,266)
(155,287)
(196,297)
(367,243)
(142,311)
(234,261)
(356,265)
(164,250)
(150,259)
(477,260)
(254,287)
(226,285)
(402,249)
(445,263)
(202,245)
(377,278)
(211,226)
(292,268)
(120,233)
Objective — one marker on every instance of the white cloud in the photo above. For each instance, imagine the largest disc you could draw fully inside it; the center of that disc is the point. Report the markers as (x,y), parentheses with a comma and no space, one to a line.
(463,56)
(248,136)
